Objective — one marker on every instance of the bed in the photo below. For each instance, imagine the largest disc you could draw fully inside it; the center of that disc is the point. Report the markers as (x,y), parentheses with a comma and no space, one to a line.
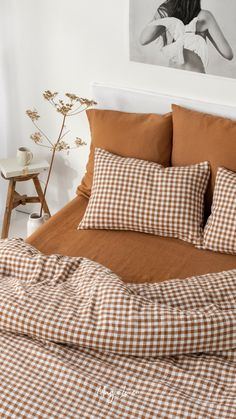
(105,324)
(135,257)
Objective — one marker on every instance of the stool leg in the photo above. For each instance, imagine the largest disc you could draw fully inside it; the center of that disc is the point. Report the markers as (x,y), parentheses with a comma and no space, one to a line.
(40,195)
(8,209)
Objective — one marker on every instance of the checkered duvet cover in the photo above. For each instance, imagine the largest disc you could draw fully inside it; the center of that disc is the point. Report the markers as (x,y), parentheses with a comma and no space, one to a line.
(76,342)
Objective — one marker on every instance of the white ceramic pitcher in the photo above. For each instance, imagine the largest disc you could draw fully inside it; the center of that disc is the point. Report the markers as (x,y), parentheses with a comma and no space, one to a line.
(35,221)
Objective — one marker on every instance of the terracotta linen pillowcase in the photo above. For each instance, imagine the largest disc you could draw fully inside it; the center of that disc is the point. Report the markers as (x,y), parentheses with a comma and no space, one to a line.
(198,137)
(220,230)
(142,136)
(137,195)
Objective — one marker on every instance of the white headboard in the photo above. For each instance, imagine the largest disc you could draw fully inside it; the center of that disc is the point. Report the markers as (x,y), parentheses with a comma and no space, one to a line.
(141,101)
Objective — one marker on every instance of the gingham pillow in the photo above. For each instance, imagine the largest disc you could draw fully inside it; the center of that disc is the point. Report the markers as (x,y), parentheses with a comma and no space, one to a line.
(132,194)
(220,230)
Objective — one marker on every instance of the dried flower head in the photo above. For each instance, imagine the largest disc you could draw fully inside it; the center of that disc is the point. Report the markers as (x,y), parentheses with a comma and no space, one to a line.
(36,137)
(64,108)
(33,115)
(62,145)
(87,102)
(72,97)
(48,95)
(79,142)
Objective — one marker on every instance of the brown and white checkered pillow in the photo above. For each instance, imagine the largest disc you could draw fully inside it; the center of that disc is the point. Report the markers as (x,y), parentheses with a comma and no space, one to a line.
(132,194)
(220,230)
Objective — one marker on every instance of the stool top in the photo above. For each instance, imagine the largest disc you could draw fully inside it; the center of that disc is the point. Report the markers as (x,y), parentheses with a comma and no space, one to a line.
(10,168)
(21,178)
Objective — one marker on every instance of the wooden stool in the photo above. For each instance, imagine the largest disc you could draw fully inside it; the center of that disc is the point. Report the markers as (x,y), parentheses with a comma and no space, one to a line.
(14,199)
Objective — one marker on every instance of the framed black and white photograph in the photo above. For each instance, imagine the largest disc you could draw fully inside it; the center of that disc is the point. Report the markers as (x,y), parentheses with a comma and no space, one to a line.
(191,35)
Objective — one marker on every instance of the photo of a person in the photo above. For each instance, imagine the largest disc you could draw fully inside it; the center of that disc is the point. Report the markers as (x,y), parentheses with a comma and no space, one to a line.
(182,32)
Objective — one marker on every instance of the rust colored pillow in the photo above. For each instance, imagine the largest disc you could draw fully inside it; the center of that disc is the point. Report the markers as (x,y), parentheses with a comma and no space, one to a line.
(199,137)
(141,136)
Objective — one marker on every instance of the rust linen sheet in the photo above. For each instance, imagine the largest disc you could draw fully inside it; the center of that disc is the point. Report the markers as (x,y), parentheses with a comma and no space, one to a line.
(77,342)
(136,257)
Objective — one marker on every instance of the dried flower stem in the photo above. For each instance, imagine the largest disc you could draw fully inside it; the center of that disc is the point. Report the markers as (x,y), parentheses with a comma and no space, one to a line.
(67,132)
(43,133)
(79,107)
(51,164)
(77,113)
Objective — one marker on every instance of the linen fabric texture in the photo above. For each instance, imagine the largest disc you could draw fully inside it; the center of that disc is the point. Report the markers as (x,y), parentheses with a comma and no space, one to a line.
(134,256)
(198,137)
(137,195)
(76,342)
(141,136)
(220,230)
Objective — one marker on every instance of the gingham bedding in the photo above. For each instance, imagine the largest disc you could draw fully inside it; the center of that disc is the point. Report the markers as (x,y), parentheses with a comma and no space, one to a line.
(220,230)
(76,342)
(139,195)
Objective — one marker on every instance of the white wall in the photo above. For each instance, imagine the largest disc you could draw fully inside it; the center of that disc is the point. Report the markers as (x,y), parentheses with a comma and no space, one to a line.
(64,45)
(3,125)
